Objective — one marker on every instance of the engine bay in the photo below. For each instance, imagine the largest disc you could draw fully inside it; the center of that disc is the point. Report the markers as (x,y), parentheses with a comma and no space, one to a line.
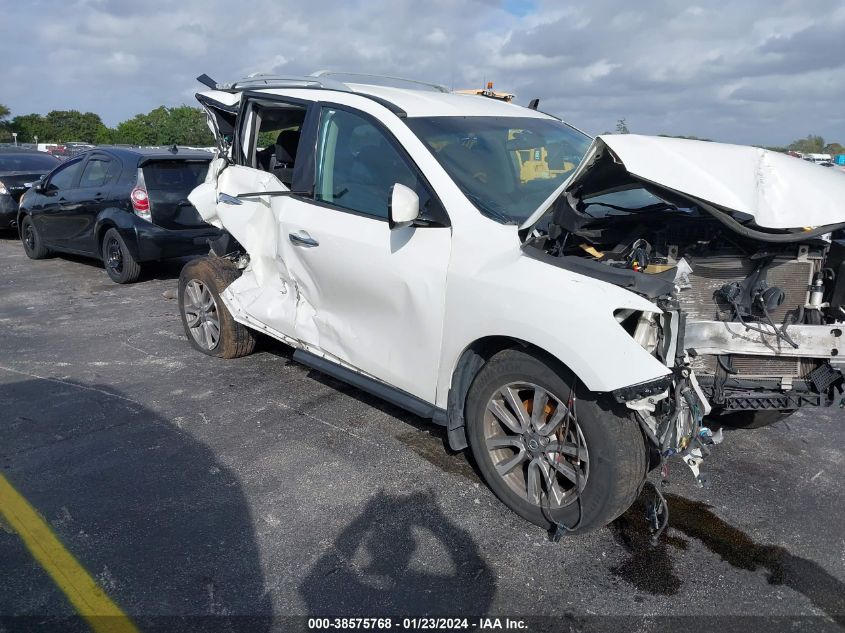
(749,327)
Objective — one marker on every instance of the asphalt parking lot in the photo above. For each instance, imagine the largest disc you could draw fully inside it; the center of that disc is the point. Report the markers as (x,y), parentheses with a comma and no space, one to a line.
(191,486)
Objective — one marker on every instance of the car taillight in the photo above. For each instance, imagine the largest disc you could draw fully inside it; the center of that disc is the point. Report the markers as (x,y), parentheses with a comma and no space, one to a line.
(140,199)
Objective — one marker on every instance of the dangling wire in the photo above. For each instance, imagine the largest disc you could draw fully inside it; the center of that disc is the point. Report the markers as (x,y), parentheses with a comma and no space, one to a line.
(559,528)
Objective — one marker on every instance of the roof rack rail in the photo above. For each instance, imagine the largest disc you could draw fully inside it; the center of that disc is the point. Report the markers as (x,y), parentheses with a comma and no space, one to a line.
(329,73)
(264,80)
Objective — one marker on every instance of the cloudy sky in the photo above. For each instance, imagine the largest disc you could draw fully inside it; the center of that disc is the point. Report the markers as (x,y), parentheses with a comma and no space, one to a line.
(746,71)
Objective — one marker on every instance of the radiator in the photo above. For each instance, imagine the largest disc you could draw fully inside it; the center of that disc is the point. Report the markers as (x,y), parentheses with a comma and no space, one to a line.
(700,304)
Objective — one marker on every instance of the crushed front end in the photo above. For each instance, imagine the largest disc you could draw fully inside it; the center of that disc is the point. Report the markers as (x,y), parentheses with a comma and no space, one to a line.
(752,319)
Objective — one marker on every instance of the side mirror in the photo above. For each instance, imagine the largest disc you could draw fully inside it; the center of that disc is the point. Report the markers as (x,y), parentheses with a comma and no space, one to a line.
(403,208)
(38,185)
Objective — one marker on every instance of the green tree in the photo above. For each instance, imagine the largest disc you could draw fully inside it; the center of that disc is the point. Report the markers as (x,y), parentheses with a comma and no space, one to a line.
(182,125)
(813,144)
(834,148)
(72,125)
(4,124)
(622,126)
(28,126)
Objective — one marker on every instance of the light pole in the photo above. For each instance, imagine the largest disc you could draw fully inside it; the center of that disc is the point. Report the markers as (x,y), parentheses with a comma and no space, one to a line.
(15,136)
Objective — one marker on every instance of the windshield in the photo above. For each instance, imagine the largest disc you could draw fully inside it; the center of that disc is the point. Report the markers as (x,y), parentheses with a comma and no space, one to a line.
(27,162)
(507,166)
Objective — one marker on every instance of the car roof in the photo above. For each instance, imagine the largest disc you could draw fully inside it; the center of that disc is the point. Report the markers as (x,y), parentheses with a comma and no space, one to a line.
(424,103)
(22,150)
(411,102)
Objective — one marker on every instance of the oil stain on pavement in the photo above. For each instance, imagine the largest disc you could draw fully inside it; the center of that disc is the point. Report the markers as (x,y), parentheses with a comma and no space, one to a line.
(650,568)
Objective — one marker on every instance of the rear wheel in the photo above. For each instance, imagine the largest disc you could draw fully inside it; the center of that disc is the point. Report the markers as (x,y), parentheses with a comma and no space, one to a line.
(538,439)
(208,325)
(120,265)
(33,246)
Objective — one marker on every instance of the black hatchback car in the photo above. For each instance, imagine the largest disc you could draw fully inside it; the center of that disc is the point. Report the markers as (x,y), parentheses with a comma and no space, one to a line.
(19,168)
(123,206)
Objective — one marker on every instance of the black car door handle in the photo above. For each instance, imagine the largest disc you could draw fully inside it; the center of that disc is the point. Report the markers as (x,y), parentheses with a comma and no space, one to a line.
(98,196)
(301,238)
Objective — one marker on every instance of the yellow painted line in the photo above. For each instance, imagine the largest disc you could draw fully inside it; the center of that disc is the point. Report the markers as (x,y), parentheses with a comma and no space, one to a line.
(89,600)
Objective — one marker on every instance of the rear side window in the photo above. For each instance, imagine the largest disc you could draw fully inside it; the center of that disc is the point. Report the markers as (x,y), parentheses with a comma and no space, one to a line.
(99,171)
(174,175)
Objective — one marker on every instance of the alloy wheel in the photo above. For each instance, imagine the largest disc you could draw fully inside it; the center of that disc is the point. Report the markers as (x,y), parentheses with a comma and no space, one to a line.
(536,444)
(201,315)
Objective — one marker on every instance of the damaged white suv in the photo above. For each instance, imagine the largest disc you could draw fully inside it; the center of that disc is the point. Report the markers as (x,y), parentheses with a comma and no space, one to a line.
(569,308)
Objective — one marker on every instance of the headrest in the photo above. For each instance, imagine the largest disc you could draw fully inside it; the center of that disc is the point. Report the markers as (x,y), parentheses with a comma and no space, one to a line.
(286,145)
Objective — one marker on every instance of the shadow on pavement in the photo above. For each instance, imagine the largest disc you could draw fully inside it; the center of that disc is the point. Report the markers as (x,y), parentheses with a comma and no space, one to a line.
(147,510)
(388,562)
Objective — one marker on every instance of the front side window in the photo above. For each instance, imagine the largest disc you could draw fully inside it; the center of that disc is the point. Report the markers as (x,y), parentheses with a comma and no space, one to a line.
(64,176)
(357,166)
(96,172)
(507,166)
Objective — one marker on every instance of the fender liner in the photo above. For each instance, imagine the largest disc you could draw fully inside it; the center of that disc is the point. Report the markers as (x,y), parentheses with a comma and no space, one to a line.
(124,223)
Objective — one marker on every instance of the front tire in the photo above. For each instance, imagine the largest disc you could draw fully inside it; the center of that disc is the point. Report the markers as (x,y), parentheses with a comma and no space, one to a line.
(33,245)
(208,325)
(533,437)
(120,265)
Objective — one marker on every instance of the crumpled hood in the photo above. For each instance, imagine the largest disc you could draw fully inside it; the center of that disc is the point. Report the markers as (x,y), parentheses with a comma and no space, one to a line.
(779,191)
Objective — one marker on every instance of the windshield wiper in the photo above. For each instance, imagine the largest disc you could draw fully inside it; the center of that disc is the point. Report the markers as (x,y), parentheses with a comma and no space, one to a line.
(490,213)
(657,206)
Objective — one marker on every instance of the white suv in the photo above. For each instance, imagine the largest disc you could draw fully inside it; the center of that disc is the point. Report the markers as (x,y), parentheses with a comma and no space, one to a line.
(569,308)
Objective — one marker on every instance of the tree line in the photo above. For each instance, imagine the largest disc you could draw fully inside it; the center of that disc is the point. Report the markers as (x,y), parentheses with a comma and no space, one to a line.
(182,125)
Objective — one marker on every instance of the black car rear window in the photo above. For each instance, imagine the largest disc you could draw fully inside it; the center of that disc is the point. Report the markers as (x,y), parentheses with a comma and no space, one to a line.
(27,162)
(174,175)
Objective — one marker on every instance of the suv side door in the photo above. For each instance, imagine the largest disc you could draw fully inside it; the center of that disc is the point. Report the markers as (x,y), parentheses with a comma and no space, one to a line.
(253,220)
(369,297)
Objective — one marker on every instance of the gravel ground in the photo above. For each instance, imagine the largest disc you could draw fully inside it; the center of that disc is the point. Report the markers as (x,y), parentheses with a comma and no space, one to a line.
(193,486)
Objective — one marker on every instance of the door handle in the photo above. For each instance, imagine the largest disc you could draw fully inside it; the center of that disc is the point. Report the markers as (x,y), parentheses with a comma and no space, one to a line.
(301,238)
(225,198)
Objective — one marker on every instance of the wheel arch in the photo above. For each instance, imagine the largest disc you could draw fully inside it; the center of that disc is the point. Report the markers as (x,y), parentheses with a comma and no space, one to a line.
(469,363)
(115,219)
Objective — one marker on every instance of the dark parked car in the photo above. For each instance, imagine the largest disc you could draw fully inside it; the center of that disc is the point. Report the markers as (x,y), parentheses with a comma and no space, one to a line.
(122,206)
(19,168)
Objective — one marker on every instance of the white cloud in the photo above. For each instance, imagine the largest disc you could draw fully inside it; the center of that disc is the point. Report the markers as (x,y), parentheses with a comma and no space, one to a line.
(752,71)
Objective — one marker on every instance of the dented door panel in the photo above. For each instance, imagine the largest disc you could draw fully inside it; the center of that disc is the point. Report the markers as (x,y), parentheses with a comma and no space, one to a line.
(369,297)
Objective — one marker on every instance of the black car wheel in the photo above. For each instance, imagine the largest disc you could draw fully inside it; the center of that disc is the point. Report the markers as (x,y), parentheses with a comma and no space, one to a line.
(120,265)
(33,246)
(208,325)
(541,443)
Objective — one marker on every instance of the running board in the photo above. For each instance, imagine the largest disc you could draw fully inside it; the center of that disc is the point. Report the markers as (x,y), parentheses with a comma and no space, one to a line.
(394,396)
